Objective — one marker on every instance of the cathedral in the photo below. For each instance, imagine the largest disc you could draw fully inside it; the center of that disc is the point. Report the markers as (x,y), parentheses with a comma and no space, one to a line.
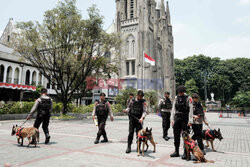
(144,27)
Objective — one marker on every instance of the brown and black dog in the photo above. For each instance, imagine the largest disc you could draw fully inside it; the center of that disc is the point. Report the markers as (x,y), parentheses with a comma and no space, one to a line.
(21,133)
(143,136)
(191,146)
(210,135)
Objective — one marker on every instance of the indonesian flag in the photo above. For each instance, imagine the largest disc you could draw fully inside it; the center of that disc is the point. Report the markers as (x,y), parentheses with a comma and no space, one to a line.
(149,59)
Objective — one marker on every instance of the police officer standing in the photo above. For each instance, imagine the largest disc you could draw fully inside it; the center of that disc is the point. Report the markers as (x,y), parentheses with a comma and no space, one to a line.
(199,118)
(131,97)
(182,117)
(44,106)
(137,112)
(165,106)
(102,109)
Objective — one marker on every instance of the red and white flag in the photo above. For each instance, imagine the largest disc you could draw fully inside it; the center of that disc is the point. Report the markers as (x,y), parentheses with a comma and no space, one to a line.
(149,59)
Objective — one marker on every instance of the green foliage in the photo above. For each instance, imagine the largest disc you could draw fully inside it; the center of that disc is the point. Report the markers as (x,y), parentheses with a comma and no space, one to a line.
(124,96)
(151,97)
(223,77)
(191,87)
(83,109)
(67,48)
(242,99)
(116,108)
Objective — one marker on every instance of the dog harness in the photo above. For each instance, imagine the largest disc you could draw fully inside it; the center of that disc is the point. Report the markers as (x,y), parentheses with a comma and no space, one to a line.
(140,136)
(191,144)
(18,133)
(208,134)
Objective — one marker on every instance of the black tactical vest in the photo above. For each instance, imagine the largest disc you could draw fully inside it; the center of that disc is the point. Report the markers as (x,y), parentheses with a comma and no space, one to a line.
(137,107)
(198,110)
(181,104)
(44,106)
(166,104)
(102,109)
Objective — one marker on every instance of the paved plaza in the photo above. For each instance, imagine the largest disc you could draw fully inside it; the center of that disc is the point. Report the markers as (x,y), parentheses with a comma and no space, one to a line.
(72,145)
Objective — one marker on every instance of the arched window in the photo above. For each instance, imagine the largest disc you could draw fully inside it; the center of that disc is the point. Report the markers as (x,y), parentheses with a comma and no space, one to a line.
(27,77)
(33,78)
(1,73)
(40,79)
(9,74)
(133,47)
(16,76)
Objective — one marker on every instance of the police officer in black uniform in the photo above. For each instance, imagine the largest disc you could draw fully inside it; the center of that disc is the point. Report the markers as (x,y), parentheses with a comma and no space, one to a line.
(181,117)
(165,106)
(199,118)
(137,112)
(102,109)
(131,97)
(44,106)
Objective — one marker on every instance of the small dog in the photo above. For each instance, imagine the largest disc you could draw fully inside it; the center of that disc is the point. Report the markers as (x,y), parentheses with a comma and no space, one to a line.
(21,133)
(143,136)
(191,146)
(210,135)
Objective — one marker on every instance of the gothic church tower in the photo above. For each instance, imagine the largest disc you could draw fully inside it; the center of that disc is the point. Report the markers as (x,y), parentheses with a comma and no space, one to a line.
(144,26)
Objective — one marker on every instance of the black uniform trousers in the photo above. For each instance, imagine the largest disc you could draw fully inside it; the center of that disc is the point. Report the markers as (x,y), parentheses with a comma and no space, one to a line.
(134,126)
(180,124)
(165,122)
(197,128)
(42,118)
(101,125)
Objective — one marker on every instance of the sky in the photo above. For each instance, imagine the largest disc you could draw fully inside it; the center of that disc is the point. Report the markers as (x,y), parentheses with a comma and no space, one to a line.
(215,28)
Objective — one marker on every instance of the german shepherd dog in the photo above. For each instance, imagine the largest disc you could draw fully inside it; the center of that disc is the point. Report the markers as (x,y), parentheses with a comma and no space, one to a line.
(21,133)
(191,146)
(210,135)
(143,136)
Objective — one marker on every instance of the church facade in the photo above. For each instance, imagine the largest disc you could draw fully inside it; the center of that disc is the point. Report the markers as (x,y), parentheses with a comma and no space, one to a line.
(144,27)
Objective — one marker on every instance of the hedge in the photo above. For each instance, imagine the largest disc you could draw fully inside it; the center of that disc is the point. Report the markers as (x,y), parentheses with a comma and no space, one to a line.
(25,107)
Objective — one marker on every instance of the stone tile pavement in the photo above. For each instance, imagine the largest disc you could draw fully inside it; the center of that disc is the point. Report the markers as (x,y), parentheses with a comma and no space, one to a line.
(72,145)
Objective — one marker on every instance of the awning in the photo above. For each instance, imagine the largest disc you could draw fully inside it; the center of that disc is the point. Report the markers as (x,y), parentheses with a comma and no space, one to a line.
(16,86)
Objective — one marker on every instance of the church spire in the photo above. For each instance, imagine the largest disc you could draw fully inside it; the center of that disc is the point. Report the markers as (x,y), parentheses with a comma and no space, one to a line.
(168,14)
(162,9)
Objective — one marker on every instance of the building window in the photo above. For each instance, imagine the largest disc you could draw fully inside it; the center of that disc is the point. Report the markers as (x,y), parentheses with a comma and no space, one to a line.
(27,78)
(127,67)
(133,46)
(133,67)
(126,9)
(8,38)
(1,73)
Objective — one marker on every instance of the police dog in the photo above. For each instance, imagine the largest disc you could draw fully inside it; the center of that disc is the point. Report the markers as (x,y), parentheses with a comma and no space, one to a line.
(191,146)
(210,135)
(21,133)
(143,136)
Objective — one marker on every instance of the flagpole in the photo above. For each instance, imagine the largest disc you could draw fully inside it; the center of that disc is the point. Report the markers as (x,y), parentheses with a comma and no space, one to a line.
(143,70)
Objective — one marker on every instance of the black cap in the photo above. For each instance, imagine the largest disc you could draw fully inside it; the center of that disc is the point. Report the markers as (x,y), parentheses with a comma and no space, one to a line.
(181,89)
(167,93)
(102,94)
(131,94)
(195,95)
(140,93)
(44,90)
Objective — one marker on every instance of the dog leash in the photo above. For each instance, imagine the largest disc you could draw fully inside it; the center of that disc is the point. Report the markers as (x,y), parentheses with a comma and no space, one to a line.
(24,122)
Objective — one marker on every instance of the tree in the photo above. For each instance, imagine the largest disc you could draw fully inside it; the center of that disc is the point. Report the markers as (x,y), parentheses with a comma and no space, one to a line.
(124,96)
(191,87)
(65,48)
(151,97)
(242,99)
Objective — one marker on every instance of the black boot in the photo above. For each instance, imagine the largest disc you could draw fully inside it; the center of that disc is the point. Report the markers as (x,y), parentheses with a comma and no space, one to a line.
(166,138)
(175,154)
(97,139)
(128,149)
(47,138)
(105,139)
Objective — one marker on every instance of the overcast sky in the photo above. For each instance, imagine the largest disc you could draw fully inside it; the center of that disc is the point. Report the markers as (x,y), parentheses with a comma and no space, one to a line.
(216,28)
